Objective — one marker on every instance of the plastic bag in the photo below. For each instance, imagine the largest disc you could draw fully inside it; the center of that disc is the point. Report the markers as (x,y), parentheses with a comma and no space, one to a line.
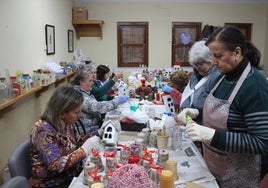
(138,116)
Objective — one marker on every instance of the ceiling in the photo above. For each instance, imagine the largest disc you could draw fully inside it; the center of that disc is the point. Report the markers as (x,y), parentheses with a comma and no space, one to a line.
(177,1)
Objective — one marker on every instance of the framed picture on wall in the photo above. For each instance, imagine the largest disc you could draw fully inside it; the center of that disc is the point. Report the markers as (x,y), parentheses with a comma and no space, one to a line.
(50,39)
(70,34)
(245,28)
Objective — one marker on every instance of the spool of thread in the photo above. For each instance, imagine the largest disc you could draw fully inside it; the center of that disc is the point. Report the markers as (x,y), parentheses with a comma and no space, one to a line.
(166,179)
(163,156)
(172,166)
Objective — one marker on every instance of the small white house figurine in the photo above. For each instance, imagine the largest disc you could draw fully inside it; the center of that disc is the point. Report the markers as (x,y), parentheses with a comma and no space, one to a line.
(110,135)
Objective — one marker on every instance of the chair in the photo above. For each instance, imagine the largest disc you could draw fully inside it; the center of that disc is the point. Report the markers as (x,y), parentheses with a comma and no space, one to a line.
(19,162)
(18,181)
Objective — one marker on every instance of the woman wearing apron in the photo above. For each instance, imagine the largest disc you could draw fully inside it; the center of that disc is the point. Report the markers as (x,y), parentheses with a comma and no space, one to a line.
(235,114)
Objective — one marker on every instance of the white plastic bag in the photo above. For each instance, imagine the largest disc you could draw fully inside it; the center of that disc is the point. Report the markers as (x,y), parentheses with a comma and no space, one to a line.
(138,116)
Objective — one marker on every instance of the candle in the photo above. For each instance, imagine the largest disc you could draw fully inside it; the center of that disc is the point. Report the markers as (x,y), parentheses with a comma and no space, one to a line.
(166,179)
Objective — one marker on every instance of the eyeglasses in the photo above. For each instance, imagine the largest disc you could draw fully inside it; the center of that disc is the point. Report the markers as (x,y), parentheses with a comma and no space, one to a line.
(199,63)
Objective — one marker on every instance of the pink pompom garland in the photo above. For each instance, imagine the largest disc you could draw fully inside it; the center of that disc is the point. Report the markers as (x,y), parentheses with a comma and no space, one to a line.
(129,176)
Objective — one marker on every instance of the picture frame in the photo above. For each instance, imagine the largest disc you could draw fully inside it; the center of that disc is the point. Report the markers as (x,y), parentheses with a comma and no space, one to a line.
(50,39)
(70,34)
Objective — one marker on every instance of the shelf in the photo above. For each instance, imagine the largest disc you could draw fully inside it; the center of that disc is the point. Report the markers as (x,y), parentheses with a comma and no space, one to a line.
(11,104)
(88,28)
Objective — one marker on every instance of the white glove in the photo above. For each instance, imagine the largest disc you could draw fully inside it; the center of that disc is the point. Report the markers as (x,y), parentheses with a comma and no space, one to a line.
(87,145)
(192,112)
(198,132)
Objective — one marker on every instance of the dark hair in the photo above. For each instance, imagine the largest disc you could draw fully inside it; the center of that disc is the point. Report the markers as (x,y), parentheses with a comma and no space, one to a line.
(232,37)
(63,100)
(101,71)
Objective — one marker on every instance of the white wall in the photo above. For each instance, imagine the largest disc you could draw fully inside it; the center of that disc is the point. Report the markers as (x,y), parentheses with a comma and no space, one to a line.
(160,17)
(22,33)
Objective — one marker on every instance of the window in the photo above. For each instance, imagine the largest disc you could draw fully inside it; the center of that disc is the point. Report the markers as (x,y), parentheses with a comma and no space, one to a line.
(245,28)
(184,35)
(132,44)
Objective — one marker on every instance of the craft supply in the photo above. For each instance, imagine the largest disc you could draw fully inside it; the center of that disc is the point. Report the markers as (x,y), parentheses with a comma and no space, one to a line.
(88,167)
(172,166)
(154,173)
(96,159)
(163,156)
(176,139)
(131,175)
(166,179)
(97,185)
(144,136)
(93,177)
(153,139)
(162,139)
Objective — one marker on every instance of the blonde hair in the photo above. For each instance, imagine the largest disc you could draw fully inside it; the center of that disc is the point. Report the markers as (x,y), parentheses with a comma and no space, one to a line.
(179,79)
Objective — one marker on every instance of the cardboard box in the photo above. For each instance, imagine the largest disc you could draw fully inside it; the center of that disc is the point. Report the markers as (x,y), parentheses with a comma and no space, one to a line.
(80,13)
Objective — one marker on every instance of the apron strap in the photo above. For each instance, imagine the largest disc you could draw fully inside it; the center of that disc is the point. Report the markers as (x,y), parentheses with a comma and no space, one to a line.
(239,83)
(188,92)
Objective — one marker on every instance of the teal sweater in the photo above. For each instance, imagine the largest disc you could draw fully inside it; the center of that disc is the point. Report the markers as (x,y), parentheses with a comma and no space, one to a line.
(100,92)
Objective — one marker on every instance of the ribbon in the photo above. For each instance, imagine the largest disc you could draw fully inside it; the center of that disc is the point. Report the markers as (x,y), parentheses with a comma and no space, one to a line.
(118,165)
(125,147)
(157,168)
(149,159)
(94,153)
(134,159)
(146,152)
(109,154)
(94,174)
(110,172)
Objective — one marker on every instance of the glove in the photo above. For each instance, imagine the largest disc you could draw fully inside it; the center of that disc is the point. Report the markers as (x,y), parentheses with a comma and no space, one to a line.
(121,99)
(198,132)
(167,89)
(87,145)
(192,112)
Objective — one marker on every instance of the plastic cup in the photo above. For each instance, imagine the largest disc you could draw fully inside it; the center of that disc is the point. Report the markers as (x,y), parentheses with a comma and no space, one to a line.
(134,104)
(162,142)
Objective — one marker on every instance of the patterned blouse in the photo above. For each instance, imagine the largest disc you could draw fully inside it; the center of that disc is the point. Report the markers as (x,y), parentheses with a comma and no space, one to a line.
(56,156)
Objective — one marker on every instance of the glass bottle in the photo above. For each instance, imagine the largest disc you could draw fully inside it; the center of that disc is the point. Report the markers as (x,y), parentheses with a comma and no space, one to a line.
(4,90)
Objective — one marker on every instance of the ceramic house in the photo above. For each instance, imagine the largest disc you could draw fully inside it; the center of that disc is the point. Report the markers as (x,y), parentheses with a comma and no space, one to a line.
(110,135)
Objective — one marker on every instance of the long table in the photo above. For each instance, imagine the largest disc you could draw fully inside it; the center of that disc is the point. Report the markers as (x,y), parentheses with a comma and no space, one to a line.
(190,163)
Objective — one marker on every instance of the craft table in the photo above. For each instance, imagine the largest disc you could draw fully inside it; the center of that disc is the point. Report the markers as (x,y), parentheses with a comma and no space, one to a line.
(190,163)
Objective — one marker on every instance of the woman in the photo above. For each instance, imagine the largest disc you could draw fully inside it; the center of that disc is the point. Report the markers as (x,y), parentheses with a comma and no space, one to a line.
(56,147)
(91,119)
(202,80)
(178,81)
(235,115)
(103,82)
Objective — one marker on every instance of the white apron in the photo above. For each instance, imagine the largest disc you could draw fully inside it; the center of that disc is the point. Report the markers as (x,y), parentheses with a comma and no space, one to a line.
(188,92)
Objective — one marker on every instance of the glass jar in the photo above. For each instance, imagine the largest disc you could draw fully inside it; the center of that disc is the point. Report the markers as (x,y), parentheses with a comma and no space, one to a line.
(4,90)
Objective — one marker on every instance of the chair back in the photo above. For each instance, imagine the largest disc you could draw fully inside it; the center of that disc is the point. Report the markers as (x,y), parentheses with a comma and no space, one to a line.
(18,181)
(19,162)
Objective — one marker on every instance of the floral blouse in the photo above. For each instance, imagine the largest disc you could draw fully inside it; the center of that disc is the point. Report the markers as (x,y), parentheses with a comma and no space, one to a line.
(56,156)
